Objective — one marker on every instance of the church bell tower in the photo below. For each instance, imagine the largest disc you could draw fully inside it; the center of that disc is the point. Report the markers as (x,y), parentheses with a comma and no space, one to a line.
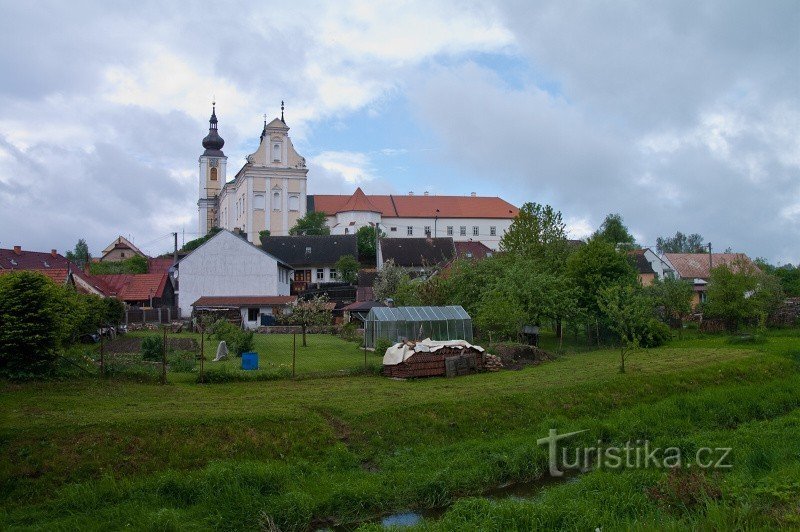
(212,176)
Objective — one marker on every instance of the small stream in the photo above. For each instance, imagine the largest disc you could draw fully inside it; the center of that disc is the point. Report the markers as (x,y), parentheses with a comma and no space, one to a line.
(511,490)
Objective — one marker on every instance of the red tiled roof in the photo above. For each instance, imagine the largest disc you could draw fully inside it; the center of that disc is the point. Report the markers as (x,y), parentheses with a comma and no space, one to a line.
(135,287)
(43,261)
(696,265)
(159,265)
(358,202)
(420,206)
(243,301)
(57,275)
(472,250)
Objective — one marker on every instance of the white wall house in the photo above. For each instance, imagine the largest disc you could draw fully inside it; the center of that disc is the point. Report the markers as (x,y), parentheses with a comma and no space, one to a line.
(229,266)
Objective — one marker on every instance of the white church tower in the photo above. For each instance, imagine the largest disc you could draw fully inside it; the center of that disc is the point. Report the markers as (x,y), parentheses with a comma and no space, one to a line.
(211,176)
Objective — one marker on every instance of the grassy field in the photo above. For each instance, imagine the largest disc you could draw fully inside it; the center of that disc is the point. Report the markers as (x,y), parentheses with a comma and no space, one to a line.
(330,451)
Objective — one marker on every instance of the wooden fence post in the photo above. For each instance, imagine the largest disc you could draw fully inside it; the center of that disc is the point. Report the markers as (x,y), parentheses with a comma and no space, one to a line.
(294,352)
(202,350)
(102,356)
(164,359)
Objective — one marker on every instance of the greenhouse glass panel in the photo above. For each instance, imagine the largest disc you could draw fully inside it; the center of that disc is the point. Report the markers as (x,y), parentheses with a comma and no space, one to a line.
(397,324)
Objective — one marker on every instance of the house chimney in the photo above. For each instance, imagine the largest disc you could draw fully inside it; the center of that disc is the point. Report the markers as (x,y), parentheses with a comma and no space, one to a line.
(54,252)
(411,193)
(425,193)
(473,194)
(17,250)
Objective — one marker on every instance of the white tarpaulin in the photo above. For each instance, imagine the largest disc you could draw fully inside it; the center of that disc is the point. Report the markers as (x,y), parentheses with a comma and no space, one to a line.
(399,352)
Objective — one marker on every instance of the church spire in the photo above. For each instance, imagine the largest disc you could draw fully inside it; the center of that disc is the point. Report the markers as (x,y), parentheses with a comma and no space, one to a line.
(213,143)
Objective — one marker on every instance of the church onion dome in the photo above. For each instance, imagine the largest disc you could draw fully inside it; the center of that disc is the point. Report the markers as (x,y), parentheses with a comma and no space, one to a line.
(213,143)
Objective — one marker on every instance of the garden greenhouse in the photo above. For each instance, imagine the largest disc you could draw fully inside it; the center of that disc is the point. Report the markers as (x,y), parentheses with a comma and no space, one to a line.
(417,323)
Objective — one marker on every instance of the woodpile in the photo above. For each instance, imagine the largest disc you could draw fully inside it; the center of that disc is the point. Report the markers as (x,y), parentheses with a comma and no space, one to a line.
(446,361)
(492,363)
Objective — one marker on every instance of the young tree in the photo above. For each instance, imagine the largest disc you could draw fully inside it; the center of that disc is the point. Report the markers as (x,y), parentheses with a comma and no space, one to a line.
(628,313)
(614,232)
(538,233)
(191,245)
(500,315)
(80,255)
(675,297)
(680,243)
(347,268)
(310,312)
(313,223)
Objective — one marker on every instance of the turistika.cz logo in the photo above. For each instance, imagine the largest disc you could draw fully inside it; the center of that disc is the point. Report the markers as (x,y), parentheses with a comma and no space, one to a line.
(639,454)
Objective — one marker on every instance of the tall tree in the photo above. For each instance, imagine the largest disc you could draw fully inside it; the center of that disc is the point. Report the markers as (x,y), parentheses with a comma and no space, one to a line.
(680,243)
(538,233)
(614,232)
(366,242)
(388,280)
(595,266)
(739,293)
(313,223)
(80,255)
(347,268)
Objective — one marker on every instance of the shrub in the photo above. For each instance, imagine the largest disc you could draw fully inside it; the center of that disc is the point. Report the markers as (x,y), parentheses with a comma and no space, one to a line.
(349,332)
(152,348)
(381,345)
(32,323)
(237,340)
(658,333)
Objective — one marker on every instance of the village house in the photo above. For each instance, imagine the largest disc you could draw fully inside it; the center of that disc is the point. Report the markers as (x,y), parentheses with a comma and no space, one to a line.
(235,274)
(313,258)
(472,250)
(417,255)
(140,290)
(649,266)
(120,249)
(52,264)
(696,268)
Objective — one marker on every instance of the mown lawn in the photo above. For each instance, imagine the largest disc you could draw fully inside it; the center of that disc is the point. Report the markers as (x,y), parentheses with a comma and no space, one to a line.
(94,454)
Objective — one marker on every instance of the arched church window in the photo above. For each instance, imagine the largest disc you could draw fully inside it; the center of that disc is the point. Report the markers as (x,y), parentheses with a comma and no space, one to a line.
(213,174)
(276,200)
(276,152)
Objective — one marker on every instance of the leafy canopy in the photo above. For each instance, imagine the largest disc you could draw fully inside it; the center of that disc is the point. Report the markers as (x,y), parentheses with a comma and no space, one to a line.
(347,268)
(595,266)
(135,264)
(313,223)
(614,232)
(680,243)
(80,255)
(539,233)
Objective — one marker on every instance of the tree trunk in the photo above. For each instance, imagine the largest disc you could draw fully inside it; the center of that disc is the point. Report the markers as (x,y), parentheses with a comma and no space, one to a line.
(303,328)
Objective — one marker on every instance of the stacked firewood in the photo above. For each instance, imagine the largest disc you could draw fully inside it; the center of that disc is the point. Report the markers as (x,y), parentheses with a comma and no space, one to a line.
(492,363)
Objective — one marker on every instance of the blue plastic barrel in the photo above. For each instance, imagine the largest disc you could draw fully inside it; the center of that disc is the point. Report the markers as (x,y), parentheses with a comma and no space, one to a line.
(249,361)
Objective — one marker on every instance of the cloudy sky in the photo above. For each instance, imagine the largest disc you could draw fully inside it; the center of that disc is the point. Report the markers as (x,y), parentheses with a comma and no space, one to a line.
(679,115)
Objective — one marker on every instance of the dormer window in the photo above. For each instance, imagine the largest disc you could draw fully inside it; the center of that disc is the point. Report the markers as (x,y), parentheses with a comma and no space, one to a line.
(276,152)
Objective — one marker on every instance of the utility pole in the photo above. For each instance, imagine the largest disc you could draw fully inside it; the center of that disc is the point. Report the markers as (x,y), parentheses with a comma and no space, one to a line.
(710,258)
(175,252)
(435,223)
(377,245)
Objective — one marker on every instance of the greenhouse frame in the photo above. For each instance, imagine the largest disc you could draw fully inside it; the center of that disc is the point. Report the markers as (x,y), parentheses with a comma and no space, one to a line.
(417,323)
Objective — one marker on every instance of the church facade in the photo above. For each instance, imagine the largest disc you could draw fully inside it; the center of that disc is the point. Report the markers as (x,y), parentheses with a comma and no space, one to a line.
(269,193)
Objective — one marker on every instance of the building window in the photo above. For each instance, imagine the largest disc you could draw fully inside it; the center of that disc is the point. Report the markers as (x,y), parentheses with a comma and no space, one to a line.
(276,201)
(462,230)
(492,231)
(393,229)
(258,202)
(213,174)
(347,230)
(449,230)
(410,231)
(252,314)
(294,202)
(333,274)
(475,231)
(122,254)
(320,274)
(427,230)
(276,153)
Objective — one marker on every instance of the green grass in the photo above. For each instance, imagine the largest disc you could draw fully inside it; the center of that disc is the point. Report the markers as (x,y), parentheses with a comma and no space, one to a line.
(94,454)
